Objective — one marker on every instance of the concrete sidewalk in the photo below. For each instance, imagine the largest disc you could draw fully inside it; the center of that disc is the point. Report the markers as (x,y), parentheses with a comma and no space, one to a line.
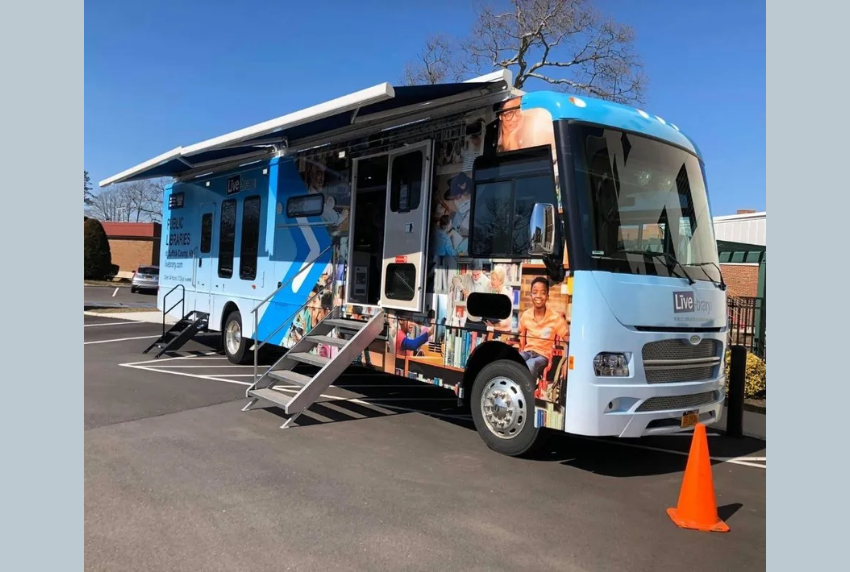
(154,317)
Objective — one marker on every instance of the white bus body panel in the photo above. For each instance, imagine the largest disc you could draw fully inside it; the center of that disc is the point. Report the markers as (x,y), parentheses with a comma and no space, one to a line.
(606,307)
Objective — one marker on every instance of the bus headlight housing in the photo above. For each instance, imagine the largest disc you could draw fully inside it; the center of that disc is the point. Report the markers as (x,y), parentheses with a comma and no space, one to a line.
(608,364)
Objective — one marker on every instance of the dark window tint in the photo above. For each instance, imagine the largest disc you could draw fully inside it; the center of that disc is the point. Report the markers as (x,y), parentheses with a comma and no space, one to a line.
(226,239)
(527,192)
(250,238)
(493,213)
(506,189)
(152,270)
(401,282)
(406,182)
(206,232)
(305,205)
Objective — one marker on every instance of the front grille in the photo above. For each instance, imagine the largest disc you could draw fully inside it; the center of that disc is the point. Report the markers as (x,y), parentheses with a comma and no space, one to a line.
(676,401)
(679,375)
(677,360)
(680,349)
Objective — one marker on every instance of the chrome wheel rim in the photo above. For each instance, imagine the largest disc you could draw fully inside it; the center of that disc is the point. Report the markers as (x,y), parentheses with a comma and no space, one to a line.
(503,407)
(233,337)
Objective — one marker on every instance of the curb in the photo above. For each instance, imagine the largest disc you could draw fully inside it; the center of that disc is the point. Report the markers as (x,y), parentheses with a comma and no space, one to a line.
(152,317)
(751,407)
(116,305)
(755,408)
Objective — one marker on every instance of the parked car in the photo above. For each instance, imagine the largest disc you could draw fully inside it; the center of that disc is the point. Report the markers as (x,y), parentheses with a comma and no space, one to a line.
(145,278)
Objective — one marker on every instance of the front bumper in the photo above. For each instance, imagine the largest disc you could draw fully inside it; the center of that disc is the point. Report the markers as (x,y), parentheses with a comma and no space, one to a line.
(146,284)
(630,410)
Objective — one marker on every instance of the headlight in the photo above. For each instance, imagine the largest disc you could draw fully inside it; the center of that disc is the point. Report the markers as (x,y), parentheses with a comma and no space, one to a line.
(611,365)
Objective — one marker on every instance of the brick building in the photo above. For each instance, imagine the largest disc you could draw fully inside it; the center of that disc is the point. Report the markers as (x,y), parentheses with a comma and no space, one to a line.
(133,243)
(741,268)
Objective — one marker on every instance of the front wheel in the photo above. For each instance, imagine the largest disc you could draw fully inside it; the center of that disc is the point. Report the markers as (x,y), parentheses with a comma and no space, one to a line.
(235,346)
(503,408)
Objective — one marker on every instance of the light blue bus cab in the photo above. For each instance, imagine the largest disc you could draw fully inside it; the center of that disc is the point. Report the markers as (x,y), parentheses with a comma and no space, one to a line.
(547,258)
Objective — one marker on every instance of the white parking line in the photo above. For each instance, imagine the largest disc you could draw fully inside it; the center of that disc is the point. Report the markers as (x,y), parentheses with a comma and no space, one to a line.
(734,460)
(119,340)
(754,462)
(195,375)
(127,323)
(159,360)
(198,366)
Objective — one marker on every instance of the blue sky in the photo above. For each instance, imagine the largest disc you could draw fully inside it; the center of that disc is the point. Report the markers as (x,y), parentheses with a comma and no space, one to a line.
(162,74)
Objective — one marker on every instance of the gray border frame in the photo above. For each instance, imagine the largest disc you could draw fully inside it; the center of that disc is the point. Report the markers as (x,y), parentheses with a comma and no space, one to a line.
(42,52)
(807,150)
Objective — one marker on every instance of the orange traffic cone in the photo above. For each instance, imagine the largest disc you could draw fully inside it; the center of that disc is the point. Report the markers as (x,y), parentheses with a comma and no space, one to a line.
(697,508)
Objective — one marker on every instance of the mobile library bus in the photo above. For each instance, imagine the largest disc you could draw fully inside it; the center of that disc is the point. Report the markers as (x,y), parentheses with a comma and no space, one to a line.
(548,258)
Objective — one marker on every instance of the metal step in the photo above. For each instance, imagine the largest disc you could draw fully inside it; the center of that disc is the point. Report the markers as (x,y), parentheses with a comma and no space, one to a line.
(364,333)
(287,376)
(311,359)
(276,397)
(328,341)
(342,324)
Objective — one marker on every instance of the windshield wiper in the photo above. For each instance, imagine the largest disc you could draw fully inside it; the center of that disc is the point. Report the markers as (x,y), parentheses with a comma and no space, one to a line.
(721,284)
(672,261)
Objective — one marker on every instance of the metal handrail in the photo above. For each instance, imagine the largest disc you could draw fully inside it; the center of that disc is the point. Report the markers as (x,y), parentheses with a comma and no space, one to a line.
(255,311)
(182,303)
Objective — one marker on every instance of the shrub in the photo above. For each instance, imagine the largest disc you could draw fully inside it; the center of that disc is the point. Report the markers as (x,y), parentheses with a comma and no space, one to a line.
(97,261)
(755,381)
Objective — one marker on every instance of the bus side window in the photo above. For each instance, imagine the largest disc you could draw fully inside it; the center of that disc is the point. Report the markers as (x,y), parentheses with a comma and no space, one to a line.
(227,238)
(506,188)
(250,242)
(206,232)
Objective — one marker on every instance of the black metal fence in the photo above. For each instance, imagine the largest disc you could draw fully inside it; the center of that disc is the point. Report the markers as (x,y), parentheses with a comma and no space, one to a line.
(747,324)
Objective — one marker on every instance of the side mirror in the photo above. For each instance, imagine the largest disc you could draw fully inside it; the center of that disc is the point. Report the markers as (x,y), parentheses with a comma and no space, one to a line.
(542,229)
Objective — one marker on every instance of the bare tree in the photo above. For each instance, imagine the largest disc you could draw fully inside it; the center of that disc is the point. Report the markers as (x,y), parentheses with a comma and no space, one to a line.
(434,64)
(135,201)
(564,43)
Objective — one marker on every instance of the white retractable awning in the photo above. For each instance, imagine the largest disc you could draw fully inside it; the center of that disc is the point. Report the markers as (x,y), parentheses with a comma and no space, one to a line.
(378,103)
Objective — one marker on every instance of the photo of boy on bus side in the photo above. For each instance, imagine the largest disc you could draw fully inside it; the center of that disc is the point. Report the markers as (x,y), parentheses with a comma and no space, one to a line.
(538,327)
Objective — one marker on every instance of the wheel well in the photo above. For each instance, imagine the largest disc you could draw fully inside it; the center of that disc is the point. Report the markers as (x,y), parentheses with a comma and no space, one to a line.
(484,354)
(228,308)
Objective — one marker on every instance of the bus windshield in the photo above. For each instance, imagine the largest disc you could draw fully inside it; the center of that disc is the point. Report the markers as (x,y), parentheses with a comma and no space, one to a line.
(644,207)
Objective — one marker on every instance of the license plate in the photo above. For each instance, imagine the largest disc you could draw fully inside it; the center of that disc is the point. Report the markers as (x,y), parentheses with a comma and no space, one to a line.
(690,418)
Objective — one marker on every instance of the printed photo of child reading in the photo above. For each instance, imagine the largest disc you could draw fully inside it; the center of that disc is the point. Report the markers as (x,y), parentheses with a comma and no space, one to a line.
(405,344)
(538,327)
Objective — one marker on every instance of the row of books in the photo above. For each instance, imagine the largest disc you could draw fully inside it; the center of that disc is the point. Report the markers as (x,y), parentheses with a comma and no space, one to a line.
(459,345)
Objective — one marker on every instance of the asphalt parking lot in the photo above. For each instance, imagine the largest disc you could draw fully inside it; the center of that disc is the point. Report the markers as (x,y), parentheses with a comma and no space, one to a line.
(382,475)
(118,296)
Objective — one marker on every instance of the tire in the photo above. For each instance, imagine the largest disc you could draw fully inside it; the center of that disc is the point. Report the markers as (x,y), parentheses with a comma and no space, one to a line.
(510,429)
(236,352)
(132,289)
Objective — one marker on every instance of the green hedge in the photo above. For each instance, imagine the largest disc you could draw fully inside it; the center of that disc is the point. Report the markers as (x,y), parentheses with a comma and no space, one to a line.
(756,376)
(97,262)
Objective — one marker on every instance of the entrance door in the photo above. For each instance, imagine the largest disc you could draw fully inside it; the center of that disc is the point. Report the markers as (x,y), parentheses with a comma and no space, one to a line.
(366,241)
(406,228)
(204,260)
